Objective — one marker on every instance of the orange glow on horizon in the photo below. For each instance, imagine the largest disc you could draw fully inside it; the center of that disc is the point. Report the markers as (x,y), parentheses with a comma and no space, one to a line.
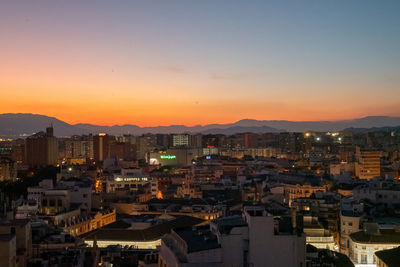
(172,101)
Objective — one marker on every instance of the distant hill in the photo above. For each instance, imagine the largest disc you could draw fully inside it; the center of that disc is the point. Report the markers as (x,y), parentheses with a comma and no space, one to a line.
(373,129)
(16,124)
(22,124)
(242,129)
(325,126)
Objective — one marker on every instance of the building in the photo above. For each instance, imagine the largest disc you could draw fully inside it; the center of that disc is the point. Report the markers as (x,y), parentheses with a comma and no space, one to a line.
(180,140)
(41,149)
(268,245)
(293,191)
(36,192)
(250,140)
(378,191)
(388,258)
(196,140)
(8,248)
(55,201)
(18,151)
(8,170)
(349,223)
(317,235)
(325,207)
(267,152)
(80,192)
(79,147)
(101,147)
(341,168)
(368,164)
(210,150)
(147,238)
(22,248)
(122,150)
(131,180)
(83,224)
(255,239)
(145,144)
(175,156)
(364,244)
(189,247)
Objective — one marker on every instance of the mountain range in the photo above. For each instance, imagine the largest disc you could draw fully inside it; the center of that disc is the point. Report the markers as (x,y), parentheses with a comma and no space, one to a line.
(14,125)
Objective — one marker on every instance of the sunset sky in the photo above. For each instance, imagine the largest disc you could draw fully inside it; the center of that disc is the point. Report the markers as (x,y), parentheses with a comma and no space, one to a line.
(196,62)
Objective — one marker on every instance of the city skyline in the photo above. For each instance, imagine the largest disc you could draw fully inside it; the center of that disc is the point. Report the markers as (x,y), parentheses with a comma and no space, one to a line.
(164,63)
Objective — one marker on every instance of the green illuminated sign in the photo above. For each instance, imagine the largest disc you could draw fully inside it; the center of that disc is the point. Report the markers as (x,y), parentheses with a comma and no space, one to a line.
(168,156)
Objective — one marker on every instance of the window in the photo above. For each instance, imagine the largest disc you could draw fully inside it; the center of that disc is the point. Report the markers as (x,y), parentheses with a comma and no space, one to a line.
(363,258)
(59,203)
(350,223)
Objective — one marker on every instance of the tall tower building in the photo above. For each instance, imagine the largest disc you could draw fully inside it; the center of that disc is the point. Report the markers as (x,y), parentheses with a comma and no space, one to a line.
(368,164)
(179,140)
(42,148)
(101,147)
(250,140)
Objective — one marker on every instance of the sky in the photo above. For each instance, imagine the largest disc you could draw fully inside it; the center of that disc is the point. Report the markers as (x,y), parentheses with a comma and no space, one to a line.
(186,62)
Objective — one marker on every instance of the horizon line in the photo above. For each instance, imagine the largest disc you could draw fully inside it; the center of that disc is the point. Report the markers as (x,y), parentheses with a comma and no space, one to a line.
(200,125)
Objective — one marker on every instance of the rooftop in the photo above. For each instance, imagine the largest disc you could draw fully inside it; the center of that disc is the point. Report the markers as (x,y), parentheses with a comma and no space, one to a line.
(15,222)
(152,233)
(391,257)
(198,240)
(385,236)
(225,224)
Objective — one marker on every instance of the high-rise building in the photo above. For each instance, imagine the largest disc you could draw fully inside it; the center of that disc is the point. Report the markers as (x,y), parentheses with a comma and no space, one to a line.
(122,150)
(162,140)
(8,169)
(180,140)
(250,140)
(18,150)
(41,148)
(145,144)
(79,147)
(196,141)
(368,164)
(101,147)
